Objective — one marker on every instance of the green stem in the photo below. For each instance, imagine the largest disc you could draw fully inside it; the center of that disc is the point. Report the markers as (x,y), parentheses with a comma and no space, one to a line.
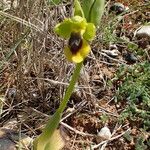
(70,88)
(43,139)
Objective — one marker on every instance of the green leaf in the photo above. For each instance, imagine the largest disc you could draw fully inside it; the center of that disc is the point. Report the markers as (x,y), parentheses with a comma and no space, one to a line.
(86,6)
(89,32)
(41,142)
(96,12)
(56,142)
(78,9)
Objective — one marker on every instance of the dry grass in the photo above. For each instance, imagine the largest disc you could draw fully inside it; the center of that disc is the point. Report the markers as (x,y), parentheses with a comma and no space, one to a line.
(34,74)
(30,55)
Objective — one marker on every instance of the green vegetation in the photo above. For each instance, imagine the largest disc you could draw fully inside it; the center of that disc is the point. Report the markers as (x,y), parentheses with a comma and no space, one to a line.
(134,90)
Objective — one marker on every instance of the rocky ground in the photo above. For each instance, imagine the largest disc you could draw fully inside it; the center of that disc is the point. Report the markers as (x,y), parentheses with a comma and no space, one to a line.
(110,107)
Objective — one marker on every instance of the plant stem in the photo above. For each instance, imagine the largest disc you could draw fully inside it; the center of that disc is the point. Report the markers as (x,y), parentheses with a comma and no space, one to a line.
(70,88)
(43,139)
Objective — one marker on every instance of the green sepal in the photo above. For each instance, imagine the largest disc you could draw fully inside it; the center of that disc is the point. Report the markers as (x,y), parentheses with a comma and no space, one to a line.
(75,24)
(63,29)
(96,12)
(89,32)
(78,9)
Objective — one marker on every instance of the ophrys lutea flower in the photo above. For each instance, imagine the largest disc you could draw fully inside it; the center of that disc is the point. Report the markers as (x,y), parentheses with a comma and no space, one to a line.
(78,32)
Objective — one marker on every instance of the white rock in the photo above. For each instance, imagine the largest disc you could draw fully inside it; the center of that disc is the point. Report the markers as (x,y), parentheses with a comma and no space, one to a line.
(113,46)
(143,31)
(104,133)
(112,53)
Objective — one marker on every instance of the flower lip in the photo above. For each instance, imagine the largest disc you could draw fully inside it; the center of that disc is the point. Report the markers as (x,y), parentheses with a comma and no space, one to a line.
(80,54)
(75,42)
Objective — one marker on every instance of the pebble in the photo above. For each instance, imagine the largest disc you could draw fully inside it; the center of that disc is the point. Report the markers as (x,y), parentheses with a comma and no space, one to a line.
(118,8)
(9,138)
(130,57)
(112,53)
(104,133)
(143,32)
(11,93)
(113,46)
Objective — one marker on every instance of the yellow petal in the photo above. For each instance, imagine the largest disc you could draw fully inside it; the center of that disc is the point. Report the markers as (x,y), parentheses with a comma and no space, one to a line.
(80,55)
(77,58)
(85,49)
(68,54)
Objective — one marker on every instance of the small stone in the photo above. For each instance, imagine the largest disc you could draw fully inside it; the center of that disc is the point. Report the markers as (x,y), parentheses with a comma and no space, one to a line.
(130,58)
(7,144)
(105,133)
(113,46)
(9,138)
(143,32)
(118,8)
(117,105)
(112,53)
(11,93)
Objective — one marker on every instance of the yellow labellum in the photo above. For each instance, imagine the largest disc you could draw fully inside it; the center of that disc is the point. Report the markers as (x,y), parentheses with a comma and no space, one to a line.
(80,55)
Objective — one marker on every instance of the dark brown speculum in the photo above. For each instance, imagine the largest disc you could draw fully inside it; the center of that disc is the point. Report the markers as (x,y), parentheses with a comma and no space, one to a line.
(75,42)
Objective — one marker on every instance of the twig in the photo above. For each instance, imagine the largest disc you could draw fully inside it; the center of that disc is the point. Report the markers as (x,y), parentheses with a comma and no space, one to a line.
(76,131)
(119,61)
(58,82)
(78,108)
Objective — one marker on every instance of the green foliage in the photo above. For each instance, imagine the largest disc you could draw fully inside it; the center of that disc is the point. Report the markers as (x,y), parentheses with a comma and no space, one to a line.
(104,118)
(134,89)
(140,144)
(86,5)
(96,11)
(108,35)
(93,10)
(132,46)
(78,9)
(127,136)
